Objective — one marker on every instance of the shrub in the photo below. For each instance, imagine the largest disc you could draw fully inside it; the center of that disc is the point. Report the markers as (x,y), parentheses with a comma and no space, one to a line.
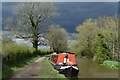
(87,53)
(42,52)
(111,64)
(101,57)
(13,53)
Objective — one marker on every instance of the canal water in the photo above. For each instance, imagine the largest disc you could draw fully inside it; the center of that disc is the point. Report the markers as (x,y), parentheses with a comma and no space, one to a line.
(90,69)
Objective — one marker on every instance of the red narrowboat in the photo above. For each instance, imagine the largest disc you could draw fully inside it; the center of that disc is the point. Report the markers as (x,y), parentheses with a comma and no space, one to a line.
(65,63)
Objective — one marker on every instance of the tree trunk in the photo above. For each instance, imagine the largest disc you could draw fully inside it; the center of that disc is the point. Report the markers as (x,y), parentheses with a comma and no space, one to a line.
(35,37)
(35,44)
(113,52)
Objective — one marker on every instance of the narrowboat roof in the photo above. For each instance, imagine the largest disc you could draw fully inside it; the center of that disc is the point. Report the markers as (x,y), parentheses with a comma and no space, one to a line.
(61,57)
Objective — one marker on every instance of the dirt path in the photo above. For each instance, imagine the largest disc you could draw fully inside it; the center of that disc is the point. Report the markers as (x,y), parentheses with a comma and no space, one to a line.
(30,71)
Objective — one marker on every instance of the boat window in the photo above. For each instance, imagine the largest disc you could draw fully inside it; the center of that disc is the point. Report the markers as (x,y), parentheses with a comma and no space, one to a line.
(52,58)
(55,58)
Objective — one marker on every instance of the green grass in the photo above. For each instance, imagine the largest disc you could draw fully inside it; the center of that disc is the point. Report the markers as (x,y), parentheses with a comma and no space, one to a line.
(48,71)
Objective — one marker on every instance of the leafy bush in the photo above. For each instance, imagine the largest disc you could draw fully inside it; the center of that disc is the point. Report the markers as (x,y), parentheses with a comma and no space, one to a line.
(111,64)
(42,52)
(101,58)
(102,55)
(13,53)
(87,53)
(101,50)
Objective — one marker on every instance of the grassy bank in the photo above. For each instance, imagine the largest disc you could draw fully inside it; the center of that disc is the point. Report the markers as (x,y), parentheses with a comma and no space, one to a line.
(111,64)
(48,71)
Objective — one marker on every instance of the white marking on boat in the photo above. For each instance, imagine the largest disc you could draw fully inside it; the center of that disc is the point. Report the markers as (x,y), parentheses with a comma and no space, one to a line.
(63,67)
(75,67)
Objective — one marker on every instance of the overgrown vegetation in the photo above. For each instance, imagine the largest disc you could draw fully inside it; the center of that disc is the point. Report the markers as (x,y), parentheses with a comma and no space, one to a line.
(98,39)
(15,57)
(101,50)
(111,64)
(13,53)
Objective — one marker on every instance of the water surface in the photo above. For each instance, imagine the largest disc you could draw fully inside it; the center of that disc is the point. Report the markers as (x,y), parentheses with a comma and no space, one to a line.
(90,69)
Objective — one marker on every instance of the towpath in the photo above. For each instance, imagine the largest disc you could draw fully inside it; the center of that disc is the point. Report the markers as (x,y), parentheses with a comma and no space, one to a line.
(30,71)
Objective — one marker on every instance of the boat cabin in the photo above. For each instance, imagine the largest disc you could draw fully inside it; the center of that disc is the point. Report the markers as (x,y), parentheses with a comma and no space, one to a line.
(63,59)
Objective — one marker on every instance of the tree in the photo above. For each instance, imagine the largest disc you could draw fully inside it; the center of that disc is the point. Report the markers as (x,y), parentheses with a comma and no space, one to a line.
(100,49)
(58,38)
(109,29)
(31,16)
(86,34)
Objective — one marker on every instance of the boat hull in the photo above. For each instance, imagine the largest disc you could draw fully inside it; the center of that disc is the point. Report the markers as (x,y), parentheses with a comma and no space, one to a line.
(68,71)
